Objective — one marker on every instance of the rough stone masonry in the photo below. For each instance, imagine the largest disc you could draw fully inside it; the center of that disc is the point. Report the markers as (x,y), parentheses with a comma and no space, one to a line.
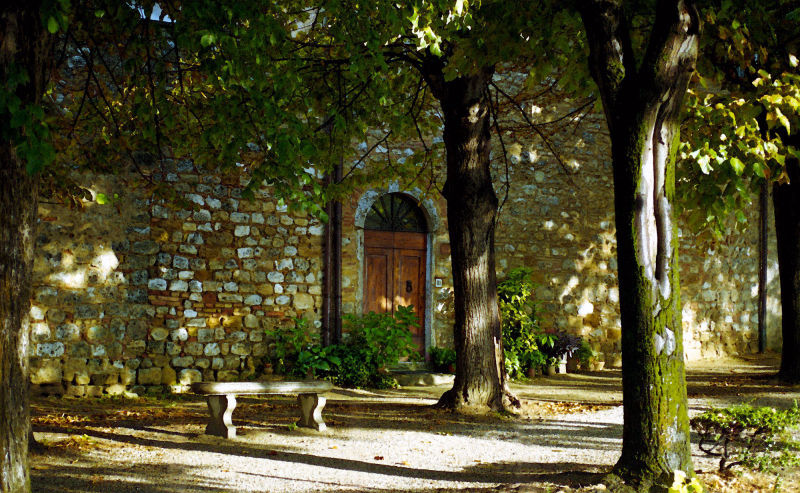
(141,294)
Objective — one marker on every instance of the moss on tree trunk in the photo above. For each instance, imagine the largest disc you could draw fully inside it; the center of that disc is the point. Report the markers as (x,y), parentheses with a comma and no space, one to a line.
(656,425)
(24,46)
(642,100)
(786,201)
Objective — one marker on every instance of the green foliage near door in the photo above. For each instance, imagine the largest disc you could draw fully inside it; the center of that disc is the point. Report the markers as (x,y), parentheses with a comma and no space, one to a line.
(525,344)
(443,359)
(372,343)
(297,351)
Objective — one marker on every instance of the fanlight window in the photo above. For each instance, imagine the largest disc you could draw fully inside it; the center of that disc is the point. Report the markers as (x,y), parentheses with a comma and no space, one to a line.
(395,212)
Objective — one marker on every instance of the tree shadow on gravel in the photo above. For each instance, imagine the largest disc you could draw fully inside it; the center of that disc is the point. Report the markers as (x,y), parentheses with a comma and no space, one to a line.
(571,474)
(518,473)
(175,478)
(279,415)
(65,478)
(760,388)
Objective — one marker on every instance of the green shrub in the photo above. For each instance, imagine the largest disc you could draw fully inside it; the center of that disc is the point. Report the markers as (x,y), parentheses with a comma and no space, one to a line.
(518,320)
(513,364)
(372,343)
(351,372)
(297,351)
(533,359)
(525,344)
(586,354)
(752,436)
(384,337)
(518,311)
(442,358)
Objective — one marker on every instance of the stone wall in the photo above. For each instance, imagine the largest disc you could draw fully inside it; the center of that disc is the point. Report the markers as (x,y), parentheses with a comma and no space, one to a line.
(558,220)
(139,294)
(142,293)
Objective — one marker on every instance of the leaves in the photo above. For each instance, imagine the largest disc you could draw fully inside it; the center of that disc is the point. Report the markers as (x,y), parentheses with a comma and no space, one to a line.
(52,25)
(741,116)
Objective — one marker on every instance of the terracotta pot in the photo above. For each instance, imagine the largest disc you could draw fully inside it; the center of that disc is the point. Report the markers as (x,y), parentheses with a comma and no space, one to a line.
(532,372)
(598,365)
(572,364)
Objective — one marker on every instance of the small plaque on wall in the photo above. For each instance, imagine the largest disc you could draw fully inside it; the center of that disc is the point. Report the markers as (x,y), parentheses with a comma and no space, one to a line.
(438,282)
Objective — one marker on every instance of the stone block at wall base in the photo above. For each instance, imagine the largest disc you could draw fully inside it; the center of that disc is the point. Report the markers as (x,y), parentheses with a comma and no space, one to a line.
(75,390)
(115,389)
(227,376)
(45,371)
(168,376)
(189,376)
(94,391)
(104,378)
(149,376)
(155,389)
(52,389)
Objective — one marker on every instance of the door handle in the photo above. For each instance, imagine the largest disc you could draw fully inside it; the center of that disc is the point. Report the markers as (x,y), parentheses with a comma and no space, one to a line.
(408,287)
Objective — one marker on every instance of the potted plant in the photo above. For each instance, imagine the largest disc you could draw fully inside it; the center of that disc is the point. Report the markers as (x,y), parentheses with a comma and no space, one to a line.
(551,366)
(443,359)
(586,355)
(534,361)
(564,346)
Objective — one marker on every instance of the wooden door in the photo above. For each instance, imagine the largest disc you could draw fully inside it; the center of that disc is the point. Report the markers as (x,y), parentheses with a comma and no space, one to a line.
(395,274)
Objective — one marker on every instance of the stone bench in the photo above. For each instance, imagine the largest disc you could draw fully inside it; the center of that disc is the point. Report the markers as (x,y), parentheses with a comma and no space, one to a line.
(221,398)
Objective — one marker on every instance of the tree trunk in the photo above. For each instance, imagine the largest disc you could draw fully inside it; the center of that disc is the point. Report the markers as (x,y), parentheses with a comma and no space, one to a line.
(656,426)
(763,255)
(22,46)
(642,104)
(18,202)
(480,380)
(786,199)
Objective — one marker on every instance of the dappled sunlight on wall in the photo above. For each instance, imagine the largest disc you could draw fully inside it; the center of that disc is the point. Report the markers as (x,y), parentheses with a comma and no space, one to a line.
(139,293)
(559,221)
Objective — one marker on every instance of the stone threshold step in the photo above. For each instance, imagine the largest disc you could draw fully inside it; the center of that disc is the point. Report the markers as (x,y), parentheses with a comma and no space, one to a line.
(421,378)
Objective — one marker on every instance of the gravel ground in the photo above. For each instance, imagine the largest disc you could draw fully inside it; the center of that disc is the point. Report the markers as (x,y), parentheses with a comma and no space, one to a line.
(568,434)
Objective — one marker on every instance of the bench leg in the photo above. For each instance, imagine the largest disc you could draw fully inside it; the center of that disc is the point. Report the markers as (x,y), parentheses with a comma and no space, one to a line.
(221,408)
(311,411)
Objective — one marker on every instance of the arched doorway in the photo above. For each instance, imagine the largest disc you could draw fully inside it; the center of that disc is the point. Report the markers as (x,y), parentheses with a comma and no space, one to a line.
(395,258)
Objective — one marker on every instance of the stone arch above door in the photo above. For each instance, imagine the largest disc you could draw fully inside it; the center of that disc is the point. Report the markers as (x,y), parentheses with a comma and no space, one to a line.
(370,196)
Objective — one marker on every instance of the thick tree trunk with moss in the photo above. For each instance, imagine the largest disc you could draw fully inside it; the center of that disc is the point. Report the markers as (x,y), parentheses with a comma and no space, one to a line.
(480,380)
(23,45)
(18,202)
(642,103)
(656,428)
(786,199)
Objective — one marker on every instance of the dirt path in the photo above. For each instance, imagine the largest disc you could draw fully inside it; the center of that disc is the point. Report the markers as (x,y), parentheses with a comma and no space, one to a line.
(566,437)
